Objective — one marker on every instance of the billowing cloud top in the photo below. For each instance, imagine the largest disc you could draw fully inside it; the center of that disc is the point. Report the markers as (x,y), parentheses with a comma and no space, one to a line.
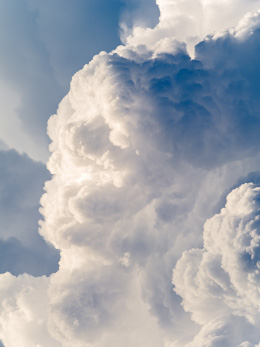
(144,147)
(191,21)
(219,284)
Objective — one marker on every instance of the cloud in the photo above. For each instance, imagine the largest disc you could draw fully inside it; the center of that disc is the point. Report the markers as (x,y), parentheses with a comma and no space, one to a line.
(35,37)
(23,313)
(142,13)
(22,249)
(220,282)
(191,21)
(144,147)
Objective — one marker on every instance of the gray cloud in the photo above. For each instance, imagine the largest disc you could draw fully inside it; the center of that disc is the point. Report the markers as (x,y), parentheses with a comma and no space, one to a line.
(21,247)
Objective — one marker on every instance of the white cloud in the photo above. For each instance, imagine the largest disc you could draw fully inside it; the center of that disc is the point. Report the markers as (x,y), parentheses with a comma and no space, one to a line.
(192,20)
(145,145)
(221,280)
(23,311)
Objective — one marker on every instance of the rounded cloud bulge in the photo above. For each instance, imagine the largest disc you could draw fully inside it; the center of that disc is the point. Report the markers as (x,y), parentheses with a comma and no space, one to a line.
(219,284)
(144,147)
(192,20)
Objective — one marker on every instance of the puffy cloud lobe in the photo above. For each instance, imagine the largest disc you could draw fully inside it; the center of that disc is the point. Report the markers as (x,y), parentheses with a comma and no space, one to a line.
(222,279)
(190,21)
(23,311)
(141,145)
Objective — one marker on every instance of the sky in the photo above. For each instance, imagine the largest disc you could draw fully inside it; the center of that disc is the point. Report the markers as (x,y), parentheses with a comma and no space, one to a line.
(130,173)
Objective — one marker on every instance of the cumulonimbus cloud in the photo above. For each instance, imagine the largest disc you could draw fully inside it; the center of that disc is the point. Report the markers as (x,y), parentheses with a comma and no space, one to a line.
(144,147)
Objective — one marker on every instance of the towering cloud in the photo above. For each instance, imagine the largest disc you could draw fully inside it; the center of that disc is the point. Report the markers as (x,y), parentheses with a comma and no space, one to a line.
(144,147)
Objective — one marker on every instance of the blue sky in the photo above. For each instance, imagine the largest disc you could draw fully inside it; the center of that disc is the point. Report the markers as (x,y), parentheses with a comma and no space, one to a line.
(44,44)
(148,208)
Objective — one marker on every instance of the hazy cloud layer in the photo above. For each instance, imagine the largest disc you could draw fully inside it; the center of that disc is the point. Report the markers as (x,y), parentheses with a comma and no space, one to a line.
(21,247)
(145,147)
